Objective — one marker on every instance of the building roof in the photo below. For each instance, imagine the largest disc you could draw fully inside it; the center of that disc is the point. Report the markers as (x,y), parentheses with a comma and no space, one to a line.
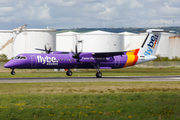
(127,33)
(98,32)
(67,33)
(175,36)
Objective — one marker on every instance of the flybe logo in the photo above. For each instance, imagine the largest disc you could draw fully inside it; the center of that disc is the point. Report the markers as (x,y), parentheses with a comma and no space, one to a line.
(151,45)
(47,60)
(153,41)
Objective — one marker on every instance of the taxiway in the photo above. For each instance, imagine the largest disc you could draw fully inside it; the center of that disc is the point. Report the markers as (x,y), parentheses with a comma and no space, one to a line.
(90,79)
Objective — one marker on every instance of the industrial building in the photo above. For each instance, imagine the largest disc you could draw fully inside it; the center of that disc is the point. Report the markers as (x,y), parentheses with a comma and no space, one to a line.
(65,41)
(29,39)
(6,38)
(96,41)
(174,49)
(134,41)
(22,40)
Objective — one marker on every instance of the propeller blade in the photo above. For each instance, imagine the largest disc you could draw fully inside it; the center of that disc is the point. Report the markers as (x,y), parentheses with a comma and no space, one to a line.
(79,53)
(49,50)
(72,52)
(76,54)
(45,48)
(76,49)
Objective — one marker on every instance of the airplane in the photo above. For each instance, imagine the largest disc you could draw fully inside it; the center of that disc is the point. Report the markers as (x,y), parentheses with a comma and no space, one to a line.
(80,60)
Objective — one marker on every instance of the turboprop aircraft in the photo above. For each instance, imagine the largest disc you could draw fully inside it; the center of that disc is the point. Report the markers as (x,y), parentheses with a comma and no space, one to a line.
(80,60)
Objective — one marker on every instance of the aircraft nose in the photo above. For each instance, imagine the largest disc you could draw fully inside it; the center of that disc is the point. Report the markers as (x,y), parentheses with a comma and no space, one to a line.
(9,64)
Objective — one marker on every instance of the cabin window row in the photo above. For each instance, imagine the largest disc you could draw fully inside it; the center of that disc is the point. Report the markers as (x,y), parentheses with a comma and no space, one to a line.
(70,60)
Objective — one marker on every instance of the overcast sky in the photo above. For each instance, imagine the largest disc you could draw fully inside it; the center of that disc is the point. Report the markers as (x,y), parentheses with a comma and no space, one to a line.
(88,13)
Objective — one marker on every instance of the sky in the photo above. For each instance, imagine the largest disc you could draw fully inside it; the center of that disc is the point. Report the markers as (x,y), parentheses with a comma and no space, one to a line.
(60,14)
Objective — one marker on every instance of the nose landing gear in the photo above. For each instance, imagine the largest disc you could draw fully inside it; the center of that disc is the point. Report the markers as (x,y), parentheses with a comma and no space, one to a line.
(13,72)
(69,73)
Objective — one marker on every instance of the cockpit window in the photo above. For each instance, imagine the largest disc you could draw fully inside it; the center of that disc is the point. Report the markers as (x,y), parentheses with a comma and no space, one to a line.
(20,57)
(17,57)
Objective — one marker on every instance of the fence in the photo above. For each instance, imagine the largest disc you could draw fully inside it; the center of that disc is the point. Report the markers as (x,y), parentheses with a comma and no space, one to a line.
(2,64)
(159,64)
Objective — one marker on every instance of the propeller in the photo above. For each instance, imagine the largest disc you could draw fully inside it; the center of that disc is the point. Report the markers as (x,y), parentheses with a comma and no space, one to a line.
(76,54)
(46,50)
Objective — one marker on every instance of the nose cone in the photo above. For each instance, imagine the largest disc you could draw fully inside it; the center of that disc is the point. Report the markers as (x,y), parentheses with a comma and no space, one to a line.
(9,64)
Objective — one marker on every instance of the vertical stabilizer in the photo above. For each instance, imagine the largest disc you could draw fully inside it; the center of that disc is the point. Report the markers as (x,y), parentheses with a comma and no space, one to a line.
(151,42)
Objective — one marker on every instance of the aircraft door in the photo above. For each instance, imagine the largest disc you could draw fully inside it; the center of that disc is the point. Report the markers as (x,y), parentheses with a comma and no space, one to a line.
(117,61)
(33,61)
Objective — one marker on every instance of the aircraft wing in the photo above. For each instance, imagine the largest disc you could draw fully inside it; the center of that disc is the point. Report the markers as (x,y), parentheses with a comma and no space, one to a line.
(109,54)
(44,50)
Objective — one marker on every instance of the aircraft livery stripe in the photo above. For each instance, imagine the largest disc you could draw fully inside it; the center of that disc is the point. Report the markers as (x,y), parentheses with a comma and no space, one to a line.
(132,57)
(135,60)
(130,60)
(136,57)
(136,51)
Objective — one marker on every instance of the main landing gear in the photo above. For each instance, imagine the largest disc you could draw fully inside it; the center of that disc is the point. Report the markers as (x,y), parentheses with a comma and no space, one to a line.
(98,74)
(13,72)
(69,73)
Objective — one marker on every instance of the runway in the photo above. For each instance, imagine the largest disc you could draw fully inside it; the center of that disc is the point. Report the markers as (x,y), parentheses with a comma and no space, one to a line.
(90,79)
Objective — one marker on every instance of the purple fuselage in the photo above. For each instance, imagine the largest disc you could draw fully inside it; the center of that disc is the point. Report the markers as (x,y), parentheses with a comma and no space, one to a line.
(65,61)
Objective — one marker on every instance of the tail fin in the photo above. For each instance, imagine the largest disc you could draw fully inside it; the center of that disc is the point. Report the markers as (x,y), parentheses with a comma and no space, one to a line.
(151,42)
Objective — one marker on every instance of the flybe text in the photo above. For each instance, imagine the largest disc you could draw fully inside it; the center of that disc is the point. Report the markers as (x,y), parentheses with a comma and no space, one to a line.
(153,41)
(151,45)
(48,60)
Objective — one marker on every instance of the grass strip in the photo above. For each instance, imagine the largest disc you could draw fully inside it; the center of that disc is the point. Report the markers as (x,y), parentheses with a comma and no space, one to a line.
(114,106)
(90,100)
(88,87)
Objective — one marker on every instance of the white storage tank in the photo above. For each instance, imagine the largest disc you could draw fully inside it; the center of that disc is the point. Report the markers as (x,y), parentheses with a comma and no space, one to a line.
(65,41)
(141,38)
(100,41)
(96,41)
(163,48)
(6,38)
(128,39)
(132,40)
(28,39)
(174,49)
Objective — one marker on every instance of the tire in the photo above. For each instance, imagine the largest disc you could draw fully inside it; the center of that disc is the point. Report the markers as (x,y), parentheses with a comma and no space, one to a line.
(13,73)
(69,73)
(98,74)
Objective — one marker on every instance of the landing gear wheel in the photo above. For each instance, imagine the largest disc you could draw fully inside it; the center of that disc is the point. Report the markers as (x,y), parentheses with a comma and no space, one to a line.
(98,74)
(69,73)
(13,72)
